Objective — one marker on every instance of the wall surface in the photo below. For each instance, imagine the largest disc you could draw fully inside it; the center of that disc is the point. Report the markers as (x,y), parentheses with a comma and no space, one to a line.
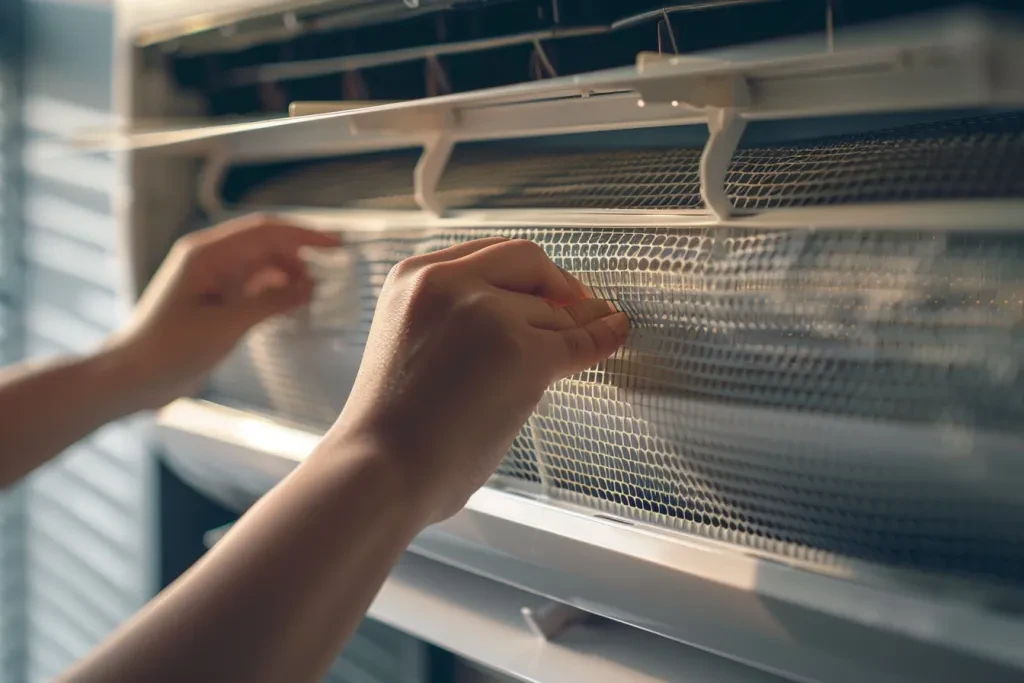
(12,537)
(88,520)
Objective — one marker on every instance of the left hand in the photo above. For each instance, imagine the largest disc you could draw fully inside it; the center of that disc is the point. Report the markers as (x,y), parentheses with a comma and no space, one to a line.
(212,288)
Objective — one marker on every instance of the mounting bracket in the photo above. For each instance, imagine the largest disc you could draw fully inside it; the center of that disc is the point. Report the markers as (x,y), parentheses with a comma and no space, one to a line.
(211,178)
(726,128)
(553,619)
(429,169)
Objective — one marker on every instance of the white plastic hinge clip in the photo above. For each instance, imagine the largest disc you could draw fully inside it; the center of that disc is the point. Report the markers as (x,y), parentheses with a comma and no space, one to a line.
(553,619)
(726,127)
(427,175)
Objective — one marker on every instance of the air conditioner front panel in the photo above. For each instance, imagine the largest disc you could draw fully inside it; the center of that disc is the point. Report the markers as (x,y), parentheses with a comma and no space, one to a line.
(807,457)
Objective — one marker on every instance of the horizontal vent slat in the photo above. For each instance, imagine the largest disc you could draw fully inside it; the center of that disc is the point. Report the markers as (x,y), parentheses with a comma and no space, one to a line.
(104,476)
(74,259)
(49,573)
(55,637)
(62,326)
(123,442)
(111,568)
(84,509)
(57,163)
(49,213)
(68,613)
(96,306)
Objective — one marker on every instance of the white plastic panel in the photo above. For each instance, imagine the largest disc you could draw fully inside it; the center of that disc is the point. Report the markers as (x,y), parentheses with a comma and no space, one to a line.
(857,624)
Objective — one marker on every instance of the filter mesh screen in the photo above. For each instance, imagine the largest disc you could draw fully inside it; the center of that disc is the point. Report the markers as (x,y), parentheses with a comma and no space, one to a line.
(959,158)
(823,394)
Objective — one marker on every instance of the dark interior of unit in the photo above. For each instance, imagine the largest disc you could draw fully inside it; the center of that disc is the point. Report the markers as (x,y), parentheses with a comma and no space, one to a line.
(224,65)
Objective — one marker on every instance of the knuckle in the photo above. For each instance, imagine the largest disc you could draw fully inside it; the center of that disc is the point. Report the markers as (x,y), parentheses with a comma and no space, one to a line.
(185,247)
(405,269)
(428,286)
(432,277)
(398,271)
(260,218)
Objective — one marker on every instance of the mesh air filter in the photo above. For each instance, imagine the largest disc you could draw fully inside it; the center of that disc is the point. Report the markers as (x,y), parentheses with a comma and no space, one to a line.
(962,158)
(979,157)
(503,177)
(822,394)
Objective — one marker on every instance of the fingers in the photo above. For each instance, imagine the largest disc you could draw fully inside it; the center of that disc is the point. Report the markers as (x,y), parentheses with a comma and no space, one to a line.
(275,301)
(248,244)
(578,348)
(224,261)
(522,266)
(262,229)
(459,250)
(545,315)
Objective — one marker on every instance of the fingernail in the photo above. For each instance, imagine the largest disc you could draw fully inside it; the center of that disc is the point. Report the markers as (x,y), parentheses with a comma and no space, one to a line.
(619,322)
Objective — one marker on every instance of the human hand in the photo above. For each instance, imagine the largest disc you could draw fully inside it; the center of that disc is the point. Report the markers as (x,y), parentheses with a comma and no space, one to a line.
(213,286)
(462,347)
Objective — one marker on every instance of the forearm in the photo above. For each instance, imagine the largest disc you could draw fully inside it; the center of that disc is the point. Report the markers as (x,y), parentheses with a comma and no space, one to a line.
(46,407)
(281,593)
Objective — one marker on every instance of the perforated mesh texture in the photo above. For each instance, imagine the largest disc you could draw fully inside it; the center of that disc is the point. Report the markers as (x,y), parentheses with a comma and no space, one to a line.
(498,177)
(822,394)
(960,158)
(979,157)
(506,178)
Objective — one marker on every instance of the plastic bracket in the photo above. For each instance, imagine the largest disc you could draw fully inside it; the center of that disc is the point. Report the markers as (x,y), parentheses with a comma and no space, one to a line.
(211,178)
(726,128)
(553,619)
(427,175)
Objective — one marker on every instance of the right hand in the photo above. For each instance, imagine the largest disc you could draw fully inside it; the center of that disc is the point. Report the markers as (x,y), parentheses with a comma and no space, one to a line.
(463,344)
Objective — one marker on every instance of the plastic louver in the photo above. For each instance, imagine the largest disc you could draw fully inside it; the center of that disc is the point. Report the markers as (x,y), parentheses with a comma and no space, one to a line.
(829,394)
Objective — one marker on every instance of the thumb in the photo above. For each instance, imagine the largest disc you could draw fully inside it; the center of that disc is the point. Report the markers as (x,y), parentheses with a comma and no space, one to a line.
(579,348)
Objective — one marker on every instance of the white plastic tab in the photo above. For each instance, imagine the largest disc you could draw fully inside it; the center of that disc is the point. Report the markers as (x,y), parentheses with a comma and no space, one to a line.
(726,128)
(213,536)
(211,177)
(429,170)
(552,620)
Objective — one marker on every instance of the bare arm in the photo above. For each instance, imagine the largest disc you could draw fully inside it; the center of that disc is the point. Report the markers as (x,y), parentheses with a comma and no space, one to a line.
(46,407)
(215,285)
(274,600)
(463,344)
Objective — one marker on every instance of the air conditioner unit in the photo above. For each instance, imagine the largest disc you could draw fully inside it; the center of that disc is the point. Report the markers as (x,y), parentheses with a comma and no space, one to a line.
(806,463)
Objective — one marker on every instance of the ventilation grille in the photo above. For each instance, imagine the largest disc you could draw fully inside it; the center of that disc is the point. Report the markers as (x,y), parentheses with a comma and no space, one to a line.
(823,394)
(980,157)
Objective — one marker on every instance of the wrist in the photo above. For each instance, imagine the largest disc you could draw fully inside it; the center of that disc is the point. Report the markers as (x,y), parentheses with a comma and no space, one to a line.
(142,372)
(117,379)
(399,488)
